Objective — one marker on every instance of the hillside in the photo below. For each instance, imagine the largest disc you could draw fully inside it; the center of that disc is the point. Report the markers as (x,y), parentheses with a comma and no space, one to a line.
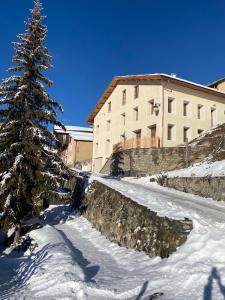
(215,139)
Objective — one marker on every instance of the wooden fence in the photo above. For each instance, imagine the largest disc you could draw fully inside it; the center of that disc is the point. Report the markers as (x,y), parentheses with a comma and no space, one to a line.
(143,142)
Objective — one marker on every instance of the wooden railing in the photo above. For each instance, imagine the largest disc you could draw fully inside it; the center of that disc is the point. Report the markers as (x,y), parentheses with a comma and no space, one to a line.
(144,142)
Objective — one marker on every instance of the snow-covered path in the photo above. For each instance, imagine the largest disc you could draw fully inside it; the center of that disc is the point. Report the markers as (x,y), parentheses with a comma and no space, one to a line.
(74,261)
(165,201)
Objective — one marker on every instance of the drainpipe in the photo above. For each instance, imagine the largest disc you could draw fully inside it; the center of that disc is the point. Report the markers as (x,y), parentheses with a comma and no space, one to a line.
(164,84)
(162,138)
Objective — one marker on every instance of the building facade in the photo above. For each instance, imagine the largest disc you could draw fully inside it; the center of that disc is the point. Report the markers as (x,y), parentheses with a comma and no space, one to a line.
(78,144)
(155,110)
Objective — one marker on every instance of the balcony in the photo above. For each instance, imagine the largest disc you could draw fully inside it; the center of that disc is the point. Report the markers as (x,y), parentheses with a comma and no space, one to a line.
(135,143)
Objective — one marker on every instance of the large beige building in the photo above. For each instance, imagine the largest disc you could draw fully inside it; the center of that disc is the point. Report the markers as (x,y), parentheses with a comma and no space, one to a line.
(156,110)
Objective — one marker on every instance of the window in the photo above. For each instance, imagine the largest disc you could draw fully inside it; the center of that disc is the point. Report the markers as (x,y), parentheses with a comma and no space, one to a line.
(185,134)
(151,107)
(136,113)
(123,119)
(124,96)
(138,138)
(152,133)
(108,125)
(185,108)
(200,131)
(107,146)
(199,111)
(213,112)
(170,105)
(170,132)
(109,107)
(136,91)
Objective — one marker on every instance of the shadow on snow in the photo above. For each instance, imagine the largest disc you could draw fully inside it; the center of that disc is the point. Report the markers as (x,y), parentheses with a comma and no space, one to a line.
(208,289)
(57,215)
(17,271)
(77,255)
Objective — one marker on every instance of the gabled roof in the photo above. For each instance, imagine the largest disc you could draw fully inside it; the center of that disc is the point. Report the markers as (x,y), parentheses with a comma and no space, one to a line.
(214,83)
(76,132)
(82,136)
(73,128)
(160,77)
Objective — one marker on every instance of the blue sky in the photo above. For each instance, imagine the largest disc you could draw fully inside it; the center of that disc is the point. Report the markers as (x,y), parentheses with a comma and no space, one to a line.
(93,40)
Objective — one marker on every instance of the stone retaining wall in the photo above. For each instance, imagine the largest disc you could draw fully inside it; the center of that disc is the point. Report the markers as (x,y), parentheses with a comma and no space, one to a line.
(132,225)
(210,187)
(135,162)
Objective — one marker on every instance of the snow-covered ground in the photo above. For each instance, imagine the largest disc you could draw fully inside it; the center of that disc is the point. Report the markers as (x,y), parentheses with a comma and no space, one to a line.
(213,169)
(74,261)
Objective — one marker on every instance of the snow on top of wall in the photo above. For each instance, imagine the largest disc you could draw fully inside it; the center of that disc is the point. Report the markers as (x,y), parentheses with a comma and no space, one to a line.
(72,129)
(82,136)
(214,169)
(77,132)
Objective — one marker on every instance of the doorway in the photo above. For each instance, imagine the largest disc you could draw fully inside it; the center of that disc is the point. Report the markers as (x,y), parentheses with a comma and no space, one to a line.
(153,140)
(138,138)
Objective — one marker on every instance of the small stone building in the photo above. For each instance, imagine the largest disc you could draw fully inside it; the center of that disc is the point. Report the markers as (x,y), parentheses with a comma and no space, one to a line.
(78,143)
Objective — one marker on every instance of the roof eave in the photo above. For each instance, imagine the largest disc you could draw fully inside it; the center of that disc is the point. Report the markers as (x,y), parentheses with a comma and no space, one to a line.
(175,80)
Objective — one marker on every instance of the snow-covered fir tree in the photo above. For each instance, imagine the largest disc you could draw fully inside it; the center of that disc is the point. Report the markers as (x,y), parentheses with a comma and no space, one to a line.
(31,171)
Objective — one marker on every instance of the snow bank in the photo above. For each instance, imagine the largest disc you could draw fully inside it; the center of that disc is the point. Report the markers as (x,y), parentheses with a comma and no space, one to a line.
(74,261)
(164,201)
(214,169)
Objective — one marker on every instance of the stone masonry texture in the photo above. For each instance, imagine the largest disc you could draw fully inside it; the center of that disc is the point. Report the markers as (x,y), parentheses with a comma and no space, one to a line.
(149,161)
(211,187)
(132,225)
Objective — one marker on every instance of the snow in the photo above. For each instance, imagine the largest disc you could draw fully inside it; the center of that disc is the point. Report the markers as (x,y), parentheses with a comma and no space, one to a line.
(23,87)
(178,79)
(10,80)
(18,160)
(165,201)
(74,261)
(213,169)
(73,128)
(1,216)
(11,231)
(82,136)
(3,134)
(5,177)
(76,132)
(8,201)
